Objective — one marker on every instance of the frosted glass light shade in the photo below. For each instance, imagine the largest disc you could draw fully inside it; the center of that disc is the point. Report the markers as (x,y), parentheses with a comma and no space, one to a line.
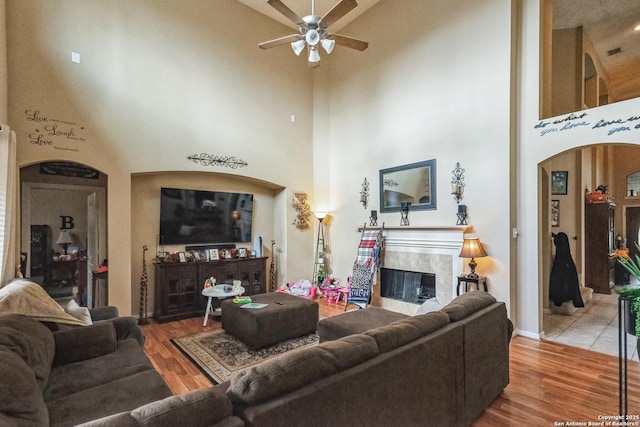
(314,56)
(328,45)
(298,46)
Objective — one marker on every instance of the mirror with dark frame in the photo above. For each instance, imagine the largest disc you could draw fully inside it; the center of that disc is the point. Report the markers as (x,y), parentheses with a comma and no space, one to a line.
(414,183)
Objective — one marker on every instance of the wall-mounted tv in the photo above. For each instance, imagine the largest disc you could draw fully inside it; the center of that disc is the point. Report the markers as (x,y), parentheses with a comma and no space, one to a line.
(194,216)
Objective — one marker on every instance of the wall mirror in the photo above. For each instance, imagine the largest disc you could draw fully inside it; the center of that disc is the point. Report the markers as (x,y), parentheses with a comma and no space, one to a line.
(414,183)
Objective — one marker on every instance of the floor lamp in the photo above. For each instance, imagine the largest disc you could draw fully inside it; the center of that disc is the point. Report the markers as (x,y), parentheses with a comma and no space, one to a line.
(319,260)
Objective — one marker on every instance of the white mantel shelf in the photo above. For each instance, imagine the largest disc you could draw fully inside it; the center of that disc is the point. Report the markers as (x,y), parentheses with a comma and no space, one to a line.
(462,228)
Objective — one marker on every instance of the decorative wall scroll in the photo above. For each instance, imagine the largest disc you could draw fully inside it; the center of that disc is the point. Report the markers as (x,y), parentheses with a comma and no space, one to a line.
(579,120)
(299,203)
(219,161)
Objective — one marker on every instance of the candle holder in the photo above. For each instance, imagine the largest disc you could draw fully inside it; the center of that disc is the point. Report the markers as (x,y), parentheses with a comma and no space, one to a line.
(373,219)
(404,213)
(462,215)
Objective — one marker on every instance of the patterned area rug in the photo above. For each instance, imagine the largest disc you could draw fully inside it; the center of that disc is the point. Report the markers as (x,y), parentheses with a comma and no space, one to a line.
(220,355)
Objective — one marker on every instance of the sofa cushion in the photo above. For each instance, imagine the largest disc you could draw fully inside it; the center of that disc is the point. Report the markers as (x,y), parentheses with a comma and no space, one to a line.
(467,304)
(21,402)
(80,313)
(355,322)
(109,398)
(409,329)
(30,340)
(298,368)
(97,340)
(127,360)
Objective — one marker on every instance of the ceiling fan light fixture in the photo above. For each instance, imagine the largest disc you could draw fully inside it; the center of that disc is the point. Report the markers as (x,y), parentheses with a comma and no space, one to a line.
(314,56)
(312,37)
(636,28)
(298,46)
(328,45)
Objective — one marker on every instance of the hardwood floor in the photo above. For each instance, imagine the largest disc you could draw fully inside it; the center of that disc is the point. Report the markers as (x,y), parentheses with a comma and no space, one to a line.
(549,382)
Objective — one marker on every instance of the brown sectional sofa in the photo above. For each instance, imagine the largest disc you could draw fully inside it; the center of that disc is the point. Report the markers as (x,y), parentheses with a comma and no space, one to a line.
(71,376)
(440,368)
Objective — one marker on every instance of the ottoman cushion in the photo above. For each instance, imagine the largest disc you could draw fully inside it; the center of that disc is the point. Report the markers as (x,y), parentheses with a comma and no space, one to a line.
(355,322)
(285,317)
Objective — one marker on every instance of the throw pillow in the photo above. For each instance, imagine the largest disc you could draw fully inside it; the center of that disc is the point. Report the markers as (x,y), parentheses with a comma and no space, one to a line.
(80,313)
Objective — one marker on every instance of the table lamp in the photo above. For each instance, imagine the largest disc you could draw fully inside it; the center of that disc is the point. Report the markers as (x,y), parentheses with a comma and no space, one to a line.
(472,248)
(64,240)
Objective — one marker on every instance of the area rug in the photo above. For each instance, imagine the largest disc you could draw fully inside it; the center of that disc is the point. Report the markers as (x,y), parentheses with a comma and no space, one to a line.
(219,355)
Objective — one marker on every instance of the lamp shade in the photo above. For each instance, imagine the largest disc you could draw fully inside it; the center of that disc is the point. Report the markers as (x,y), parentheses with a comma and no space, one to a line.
(64,238)
(472,248)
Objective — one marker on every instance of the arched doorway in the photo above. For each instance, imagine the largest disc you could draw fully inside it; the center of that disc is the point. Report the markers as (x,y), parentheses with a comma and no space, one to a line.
(63,228)
(585,169)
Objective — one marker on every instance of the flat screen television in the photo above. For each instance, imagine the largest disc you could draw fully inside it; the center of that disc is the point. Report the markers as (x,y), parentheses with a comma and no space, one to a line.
(195,216)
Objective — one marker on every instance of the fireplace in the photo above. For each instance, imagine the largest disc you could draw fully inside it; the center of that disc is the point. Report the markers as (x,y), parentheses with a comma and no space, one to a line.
(408,286)
(426,250)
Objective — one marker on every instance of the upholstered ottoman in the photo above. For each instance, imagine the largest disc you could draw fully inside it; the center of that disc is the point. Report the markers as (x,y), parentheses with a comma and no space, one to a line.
(355,322)
(285,317)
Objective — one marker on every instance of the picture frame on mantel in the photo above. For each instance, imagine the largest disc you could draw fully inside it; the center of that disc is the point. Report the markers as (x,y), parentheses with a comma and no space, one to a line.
(559,183)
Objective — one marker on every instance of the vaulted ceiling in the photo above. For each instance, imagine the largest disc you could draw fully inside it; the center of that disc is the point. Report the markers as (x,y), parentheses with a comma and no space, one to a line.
(608,25)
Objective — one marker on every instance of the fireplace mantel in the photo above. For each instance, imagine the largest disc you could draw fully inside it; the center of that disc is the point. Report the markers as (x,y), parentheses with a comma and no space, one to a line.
(424,249)
(459,228)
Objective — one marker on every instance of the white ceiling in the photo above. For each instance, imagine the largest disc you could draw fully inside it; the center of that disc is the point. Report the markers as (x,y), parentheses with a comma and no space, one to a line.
(303,8)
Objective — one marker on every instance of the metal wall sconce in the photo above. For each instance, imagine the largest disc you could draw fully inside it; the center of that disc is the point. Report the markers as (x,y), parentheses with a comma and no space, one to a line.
(457,189)
(364,194)
(457,183)
(404,213)
(373,219)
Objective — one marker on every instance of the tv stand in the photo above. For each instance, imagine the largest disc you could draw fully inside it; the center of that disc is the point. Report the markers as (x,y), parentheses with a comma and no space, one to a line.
(178,286)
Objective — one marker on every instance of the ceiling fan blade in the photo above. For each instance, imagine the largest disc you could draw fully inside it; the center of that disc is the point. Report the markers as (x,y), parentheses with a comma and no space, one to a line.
(283,9)
(280,41)
(338,11)
(349,42)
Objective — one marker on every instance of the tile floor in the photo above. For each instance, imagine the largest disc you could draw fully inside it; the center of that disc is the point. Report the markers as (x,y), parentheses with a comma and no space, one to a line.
(594,327)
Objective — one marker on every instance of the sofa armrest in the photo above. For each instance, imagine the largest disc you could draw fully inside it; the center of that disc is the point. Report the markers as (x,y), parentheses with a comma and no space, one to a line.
(103,313)
(200,408)
(85,342)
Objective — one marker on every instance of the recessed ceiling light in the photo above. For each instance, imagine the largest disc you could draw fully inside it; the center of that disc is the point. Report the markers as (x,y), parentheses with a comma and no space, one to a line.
(636,28)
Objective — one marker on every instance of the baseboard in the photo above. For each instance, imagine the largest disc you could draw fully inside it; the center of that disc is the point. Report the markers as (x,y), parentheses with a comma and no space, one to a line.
(532,335)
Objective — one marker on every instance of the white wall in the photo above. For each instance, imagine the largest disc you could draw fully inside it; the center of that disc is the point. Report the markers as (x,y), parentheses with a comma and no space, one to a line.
(433,84)
(535,147)
(158,81)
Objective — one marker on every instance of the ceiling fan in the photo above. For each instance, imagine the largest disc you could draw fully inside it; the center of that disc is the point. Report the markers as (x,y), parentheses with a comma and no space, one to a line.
(313,31)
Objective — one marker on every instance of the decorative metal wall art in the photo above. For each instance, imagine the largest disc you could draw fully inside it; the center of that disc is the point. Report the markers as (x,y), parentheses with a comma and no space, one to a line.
(299,203)
(218,161)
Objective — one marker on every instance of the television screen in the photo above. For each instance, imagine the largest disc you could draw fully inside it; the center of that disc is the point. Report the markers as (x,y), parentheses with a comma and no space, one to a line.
(194,216)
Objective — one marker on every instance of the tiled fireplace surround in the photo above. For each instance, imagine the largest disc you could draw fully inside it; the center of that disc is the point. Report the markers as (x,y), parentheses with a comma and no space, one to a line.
(425,250)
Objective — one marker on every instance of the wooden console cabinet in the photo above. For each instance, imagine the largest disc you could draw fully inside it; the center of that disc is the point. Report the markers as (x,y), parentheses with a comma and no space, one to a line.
(178,286)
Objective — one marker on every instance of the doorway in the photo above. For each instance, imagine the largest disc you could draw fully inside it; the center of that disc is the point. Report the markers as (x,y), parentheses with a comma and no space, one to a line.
(593,327)
(63,228)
